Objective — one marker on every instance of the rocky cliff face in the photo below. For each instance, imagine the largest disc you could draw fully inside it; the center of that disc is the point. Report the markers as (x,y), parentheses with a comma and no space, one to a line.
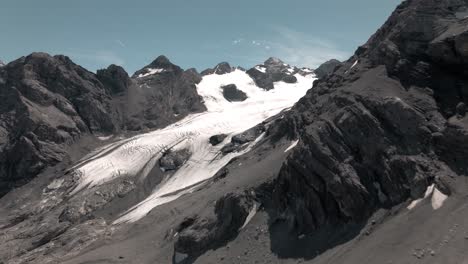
(383,126)
(48,102)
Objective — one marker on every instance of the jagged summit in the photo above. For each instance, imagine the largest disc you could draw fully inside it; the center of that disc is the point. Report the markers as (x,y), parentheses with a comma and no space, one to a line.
(273,61)
(2,63)
(160,65)
(161,62)
(220,69)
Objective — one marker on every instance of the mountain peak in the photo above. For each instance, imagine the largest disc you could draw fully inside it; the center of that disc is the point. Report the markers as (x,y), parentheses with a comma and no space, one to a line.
(161,62)
(220,68)
(273,61)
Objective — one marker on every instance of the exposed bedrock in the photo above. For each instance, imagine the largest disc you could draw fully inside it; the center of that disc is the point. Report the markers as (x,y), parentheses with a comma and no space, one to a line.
(197,235)
(385,125)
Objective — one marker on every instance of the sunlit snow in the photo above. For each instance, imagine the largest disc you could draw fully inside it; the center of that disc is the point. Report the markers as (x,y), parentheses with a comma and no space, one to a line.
(260,69)
(150,71)
(251,214)
(293,144)
(437,198)
(139,154)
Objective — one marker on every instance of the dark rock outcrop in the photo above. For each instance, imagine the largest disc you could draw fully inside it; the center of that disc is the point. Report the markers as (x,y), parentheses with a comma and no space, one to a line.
(327,68)
(220,69)
(274,70)
(232,94)
(199,235)
(238,142)
(172,160)
(216,139)
(382,127)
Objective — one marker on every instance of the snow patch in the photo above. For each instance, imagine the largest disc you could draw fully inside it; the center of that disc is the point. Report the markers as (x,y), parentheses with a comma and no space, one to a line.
(249,217)
(104,138)
(354,64)
(136,156)
(438,199)
(150,71)
(260,69)
(428,193)
(293,144)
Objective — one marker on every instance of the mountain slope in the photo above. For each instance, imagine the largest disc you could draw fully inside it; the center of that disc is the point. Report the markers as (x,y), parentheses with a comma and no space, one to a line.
(50,103)
(121,182)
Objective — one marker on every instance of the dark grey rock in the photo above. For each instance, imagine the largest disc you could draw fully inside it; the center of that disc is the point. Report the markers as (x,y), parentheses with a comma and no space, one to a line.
(172,160)
(289,79)
(115,78)
(196,237)
(232,94)
(461,109)
(220,69)
(273,70)
(216,139)
(249,135)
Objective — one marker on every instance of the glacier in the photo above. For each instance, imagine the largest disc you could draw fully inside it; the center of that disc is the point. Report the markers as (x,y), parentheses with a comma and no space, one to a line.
(139,154)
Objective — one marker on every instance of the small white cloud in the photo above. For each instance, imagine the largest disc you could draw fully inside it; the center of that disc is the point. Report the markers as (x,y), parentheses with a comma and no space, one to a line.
(118,41)
(303,49)
(237,41)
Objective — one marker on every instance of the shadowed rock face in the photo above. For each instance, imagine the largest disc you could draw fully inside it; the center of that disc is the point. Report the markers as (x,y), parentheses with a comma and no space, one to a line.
(47,102)
(197,235)
(375,132)
(161,94)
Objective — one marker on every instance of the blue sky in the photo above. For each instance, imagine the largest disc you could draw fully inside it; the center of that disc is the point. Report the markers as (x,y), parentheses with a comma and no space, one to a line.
(96,33)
